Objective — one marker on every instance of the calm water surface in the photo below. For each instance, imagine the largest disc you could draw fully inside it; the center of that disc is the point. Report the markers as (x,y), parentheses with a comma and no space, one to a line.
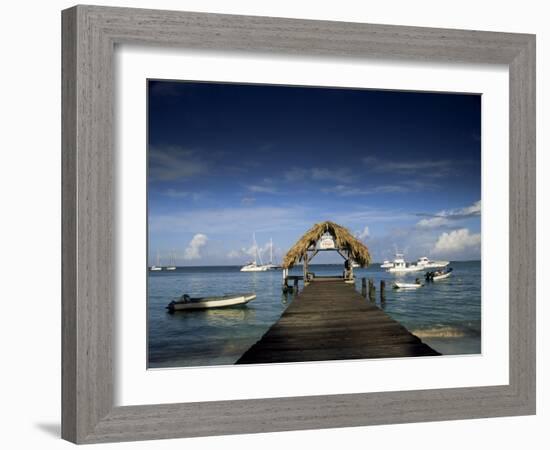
(445,314)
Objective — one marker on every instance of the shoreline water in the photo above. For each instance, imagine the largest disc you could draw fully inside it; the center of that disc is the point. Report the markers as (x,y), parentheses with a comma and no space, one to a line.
(446,315)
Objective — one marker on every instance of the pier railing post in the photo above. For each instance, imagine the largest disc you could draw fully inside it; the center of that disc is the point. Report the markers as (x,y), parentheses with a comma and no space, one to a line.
(382,291)
(364,287)
(372,291)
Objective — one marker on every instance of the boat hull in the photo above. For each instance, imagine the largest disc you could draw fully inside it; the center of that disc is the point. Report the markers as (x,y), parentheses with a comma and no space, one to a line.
(441,277)
(212,302)
(254,269)
(436,265)
(405,270)
(407,285)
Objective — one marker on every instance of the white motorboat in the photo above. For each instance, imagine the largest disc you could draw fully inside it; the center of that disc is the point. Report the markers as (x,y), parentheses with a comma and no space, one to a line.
(401,266)
(407,285)
(386,264)
(354,264)
(194,303)
(427,263)
(254,266)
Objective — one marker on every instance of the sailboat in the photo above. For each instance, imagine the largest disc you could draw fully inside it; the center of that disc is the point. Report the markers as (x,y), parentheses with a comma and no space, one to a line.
(156,267)
(271,265)
(254,266)
(172,265)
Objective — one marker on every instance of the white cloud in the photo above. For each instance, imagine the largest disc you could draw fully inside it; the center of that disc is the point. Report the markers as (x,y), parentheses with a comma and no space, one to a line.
(174,193)
(437,167)
(402,187)
(445,217)
(367,215)
(265,186)
(261,189)
(193,249)
(233,254)
(363,234)
(232,220)
(474,209)
(339,175)
(172,163)
(296,174)
(458,241)
(433,222)
(251,252)
(247,201)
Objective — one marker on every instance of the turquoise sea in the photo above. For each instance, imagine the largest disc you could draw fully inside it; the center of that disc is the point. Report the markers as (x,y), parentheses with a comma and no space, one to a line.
(445,314)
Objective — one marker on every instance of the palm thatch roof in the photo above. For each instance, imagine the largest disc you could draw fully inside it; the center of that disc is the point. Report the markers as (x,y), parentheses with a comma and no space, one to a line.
(343,239)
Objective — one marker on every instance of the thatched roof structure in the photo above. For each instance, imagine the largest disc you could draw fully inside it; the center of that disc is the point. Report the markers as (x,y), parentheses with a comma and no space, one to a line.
(343,239)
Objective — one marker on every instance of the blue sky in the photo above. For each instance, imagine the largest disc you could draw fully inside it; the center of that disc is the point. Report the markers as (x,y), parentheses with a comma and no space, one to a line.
(399,169)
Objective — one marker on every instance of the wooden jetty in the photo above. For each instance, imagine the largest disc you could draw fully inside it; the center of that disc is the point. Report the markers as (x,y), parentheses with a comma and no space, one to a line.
(329,320)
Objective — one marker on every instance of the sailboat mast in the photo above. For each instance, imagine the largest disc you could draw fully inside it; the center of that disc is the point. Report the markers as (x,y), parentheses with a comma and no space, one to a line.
(255,248)
(259,254)
(270,250)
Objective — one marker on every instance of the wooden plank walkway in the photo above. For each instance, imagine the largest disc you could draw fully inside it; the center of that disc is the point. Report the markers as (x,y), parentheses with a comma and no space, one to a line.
(330,320)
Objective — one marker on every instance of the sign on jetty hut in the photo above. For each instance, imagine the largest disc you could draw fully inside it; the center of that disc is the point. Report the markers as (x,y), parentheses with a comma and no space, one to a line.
(322,237)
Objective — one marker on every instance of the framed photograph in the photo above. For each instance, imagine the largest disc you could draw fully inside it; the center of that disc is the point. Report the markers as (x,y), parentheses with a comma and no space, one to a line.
(266,222)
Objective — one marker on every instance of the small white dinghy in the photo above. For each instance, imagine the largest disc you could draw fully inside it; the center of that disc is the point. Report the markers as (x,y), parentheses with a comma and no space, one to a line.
(193,303)
(441,277)
(438,275)
(397,285)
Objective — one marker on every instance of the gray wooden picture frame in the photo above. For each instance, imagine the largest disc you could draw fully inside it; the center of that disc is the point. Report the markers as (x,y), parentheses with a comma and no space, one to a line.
(90,34)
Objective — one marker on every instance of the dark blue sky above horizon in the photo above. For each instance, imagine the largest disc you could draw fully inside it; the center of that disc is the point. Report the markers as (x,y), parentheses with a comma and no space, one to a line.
(400,169)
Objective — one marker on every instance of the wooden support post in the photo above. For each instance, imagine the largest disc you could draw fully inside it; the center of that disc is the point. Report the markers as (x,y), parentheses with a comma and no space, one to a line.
(305,269)
(372,291)
(295,284)
(382,291)
(364,287)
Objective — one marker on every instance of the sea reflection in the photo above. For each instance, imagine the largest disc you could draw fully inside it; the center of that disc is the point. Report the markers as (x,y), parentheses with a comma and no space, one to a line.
(220,316)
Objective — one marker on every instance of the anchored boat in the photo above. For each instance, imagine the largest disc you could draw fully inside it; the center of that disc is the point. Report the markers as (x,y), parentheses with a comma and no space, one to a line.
(254,266)
(156,267)
(271,265)
(407,285)
(172,265)
(401,266)
(427,263)
(439,275)
(185,302)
